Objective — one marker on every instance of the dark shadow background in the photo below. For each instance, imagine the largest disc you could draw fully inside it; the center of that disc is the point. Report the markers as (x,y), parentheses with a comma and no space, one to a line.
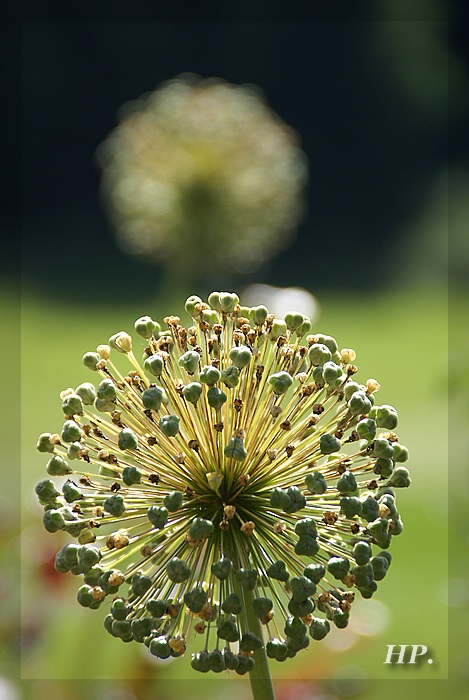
(374,146)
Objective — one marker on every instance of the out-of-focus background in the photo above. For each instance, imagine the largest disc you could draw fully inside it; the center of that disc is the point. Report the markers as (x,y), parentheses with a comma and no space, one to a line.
(371,101)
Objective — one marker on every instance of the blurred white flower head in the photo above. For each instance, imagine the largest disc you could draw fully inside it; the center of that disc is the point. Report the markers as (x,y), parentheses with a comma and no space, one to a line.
(204,172)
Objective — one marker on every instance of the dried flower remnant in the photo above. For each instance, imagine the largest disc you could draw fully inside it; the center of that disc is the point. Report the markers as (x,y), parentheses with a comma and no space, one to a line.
(235,487)
(204,165)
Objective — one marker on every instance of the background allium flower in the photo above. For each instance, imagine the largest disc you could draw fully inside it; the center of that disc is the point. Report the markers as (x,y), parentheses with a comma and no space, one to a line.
(205,166)
(236,486)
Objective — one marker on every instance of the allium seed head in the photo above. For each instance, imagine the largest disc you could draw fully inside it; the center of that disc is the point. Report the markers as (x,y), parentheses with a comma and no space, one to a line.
(213,483)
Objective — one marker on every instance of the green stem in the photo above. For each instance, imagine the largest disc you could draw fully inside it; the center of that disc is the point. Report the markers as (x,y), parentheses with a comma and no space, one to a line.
(261,680)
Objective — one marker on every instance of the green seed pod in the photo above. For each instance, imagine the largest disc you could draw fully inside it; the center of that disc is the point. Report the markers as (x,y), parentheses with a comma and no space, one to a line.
(300,609)
(231,660)
(241,356)
(146,326)
(85,596)
(227,302)
(328,341)
(121,341)
(91,359)
(366,429)
(250,642)
(114,505)
(192,392)
(380,566)
(74,450)
(216,661)
(201,528)
(169,425)
(141,628)
(319,628)
(338,567)
(44,444)
(383,448)
(296,644)
(189,361)
(104,406)
(71,492)
(92,576)
(216,398)
(304,327)
(331,371)
(72,405)
(280,382)
(314,572)
(87,393)
(127,439)
(362,552)
(350,388)
(57,466)
(379,529)
(210,317)
(386,417)
(200,661)
(154,365)
(367,592)
(140,584)
(400,478)
(318,354)
(235,449)
(247,578)
(160,648)
(177,570)
(222,568)
(71,431)
(230,376)
(190,306)
(85,536)
(279,328)
(318,377)
(400,453)
(359,403)
(329,444)
(297,500)
(383,467)
(278,571)
(295,628)
(228,630)
(279,498)
(245,665)
(306,526)
(46,491)
(156,608)
(347,483)
(302,588)
(103,581)
(258,315)
(370,508)
(131,476)
(293,320)
(262,607)
(232,604)
(214,301)
(195,599)
(107,390)
(88,556)
(390,502)
(340,619)
(173,501)
(307,546)
(119,609)
(153,397)
(350,506)
(316,483)
(209,375)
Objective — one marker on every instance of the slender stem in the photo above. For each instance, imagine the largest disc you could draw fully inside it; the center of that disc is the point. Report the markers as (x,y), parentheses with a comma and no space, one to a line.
(261,680)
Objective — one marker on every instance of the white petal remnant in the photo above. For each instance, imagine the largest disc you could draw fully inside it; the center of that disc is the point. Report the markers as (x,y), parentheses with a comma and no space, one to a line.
(205,494)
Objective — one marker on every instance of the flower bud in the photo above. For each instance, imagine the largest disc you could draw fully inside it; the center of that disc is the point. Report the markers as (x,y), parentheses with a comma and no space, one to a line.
(241,356)
(153,397)
(57,466)
(44,444)
(146,326)
(91,359)
(280,382)
(173,501)
(121,341)
(192,392)
(189,361)
(87,393)
(169,425)
(127,439)
(154,365)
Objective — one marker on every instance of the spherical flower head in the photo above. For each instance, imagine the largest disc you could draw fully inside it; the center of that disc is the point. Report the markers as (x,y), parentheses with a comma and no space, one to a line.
(205,164)
(232,488)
